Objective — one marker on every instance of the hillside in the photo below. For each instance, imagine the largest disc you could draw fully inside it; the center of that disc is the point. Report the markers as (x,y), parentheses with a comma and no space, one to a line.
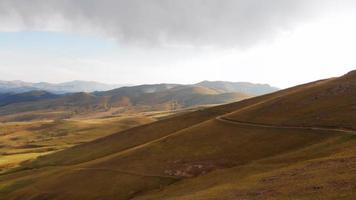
(243,87)
(135,98)
(182,96)
(43,105)
(325,103)
(259,148)
(35,95)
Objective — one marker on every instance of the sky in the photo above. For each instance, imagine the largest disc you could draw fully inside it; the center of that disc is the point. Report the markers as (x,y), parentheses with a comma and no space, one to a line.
(279,42)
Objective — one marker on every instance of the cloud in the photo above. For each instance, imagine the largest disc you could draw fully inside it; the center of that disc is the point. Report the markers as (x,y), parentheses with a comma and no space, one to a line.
(236,23)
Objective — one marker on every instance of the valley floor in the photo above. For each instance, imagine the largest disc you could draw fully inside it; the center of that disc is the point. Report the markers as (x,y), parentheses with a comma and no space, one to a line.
(24,141)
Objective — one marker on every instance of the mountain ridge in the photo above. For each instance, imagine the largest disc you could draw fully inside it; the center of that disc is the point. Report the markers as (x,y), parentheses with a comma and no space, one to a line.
(18,86)
(147,97)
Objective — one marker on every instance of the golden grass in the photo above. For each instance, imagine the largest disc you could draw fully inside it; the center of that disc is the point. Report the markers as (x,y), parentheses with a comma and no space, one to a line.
(24,141)
(329,103)
(195,156)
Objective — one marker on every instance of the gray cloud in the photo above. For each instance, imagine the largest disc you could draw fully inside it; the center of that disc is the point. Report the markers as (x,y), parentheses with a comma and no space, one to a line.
(193,22)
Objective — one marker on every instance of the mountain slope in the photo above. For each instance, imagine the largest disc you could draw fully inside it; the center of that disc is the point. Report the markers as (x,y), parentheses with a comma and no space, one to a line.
(187,96)
(139,98)
(243,87)
(148,97)
(199,155)
(326,103)
(6,99)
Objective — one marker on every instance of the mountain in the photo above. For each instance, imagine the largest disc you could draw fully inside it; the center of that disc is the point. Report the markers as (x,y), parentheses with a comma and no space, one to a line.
(91,86)
(143,97)
(60,88)
(243,87)
(15,87)
(297,143)
(6,99)
(183,95)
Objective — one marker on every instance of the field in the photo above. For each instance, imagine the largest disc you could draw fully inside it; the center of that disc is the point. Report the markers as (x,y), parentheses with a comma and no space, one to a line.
(24,141)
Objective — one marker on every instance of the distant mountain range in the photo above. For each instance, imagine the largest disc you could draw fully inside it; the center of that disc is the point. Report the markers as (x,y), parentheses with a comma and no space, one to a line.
(43,104)
(36,95)
(59,88)
(15,87)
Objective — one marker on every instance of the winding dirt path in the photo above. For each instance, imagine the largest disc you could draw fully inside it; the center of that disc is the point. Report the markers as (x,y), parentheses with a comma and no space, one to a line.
(126,172)
(314,128)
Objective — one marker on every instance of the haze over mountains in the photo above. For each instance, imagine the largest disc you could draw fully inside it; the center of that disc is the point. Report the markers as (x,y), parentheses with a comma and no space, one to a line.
(43,104)
(60,88)
(92,86)
(297,143)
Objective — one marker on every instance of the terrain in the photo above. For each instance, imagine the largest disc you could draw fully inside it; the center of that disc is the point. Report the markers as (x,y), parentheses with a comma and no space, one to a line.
(244,87)
(22,141)
(43,105)
(298,143)
(39,122)
(15,87)
(36,95)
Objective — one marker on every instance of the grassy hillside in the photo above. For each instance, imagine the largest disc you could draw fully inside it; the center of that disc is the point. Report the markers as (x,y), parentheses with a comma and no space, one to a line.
(325,103)
(209,154)
(241,87)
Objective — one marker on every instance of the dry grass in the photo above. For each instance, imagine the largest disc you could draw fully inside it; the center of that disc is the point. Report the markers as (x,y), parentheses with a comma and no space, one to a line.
(20,141)
(194,156)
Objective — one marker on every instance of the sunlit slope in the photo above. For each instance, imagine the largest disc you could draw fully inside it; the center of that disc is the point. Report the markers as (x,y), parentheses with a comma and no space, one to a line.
(199,156)
(22,141)
(20,107)
(244,87)
(189,97)
(329,103)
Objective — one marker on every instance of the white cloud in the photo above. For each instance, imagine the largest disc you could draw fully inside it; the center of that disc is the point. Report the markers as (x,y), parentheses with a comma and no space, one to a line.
(281,42)
(158,22)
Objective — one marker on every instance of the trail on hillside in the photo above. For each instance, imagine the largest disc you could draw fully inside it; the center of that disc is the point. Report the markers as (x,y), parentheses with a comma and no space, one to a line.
(131,149)
(315,128)
(127,172)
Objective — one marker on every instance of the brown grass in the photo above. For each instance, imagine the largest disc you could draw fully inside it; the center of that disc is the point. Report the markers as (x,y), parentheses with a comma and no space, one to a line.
(196,156)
